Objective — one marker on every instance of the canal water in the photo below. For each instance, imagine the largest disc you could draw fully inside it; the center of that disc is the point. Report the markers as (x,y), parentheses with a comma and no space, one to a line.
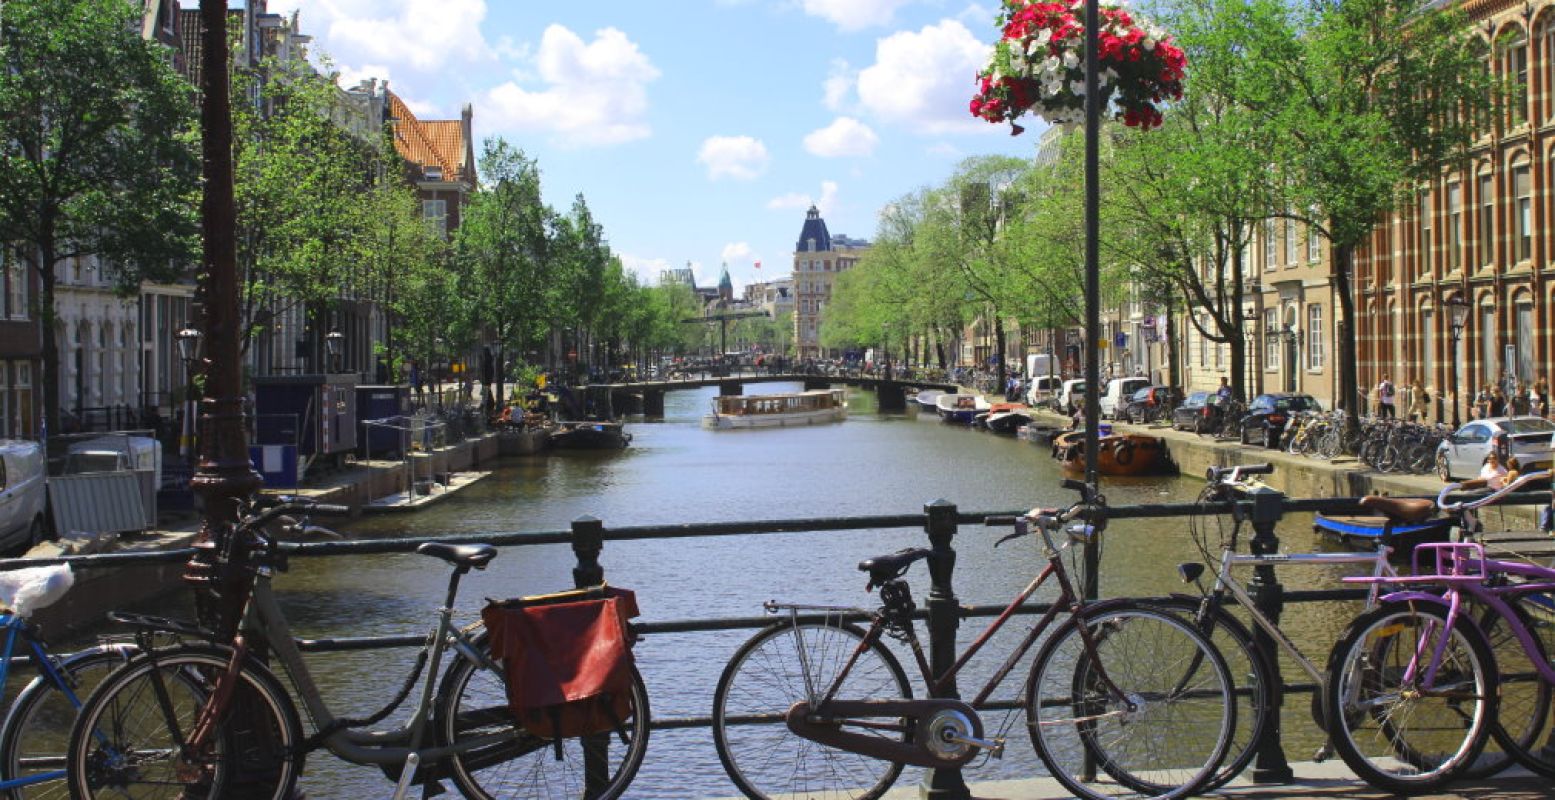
(674,471)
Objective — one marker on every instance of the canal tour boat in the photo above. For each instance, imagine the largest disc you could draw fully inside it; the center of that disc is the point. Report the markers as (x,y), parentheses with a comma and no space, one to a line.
(960,408)
(777,410)
(589,435)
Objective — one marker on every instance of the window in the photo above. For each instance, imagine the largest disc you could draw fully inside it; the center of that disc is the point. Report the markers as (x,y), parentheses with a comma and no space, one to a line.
(25,427)
(1515,50)
(436,214)
(432,172)
(1314,239)
(1271,339)
(7,426)
(1523,235)
(1314,336)
(1269,244)
(1203,348)
(1423,247)
(1524,318)
(1487,338)
(1487,218)
(1428,340)
(15,275)
(1454,224)
(1290,241)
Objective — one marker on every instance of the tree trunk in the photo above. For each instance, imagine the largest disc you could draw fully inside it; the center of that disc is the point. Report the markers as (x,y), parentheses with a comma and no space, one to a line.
(1238,341)
(50,395)
(1173,366)
(1349,390)
(998,336)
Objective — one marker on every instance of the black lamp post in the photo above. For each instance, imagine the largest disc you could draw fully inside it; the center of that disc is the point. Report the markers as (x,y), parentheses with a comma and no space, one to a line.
(334,342)
(1250,362)
(1458,310)
(188,341)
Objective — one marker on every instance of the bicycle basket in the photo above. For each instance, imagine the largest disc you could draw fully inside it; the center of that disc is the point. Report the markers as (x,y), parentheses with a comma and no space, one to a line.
(566,658)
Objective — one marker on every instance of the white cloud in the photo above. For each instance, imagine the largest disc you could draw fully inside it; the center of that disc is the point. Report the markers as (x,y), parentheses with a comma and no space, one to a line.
(838,86)
(852,15)
(595,93)
(944,150)
(425,35)
(737,253)
(845,137)
(647,269)
(350,77)
(924,78)
(739,157)
(796,200)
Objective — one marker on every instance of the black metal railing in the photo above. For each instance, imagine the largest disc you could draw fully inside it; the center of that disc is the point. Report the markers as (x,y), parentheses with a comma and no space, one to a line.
(940,521)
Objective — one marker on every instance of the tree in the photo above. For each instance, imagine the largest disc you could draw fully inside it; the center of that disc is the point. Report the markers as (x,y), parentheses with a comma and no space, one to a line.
(96,152)
(1370,98)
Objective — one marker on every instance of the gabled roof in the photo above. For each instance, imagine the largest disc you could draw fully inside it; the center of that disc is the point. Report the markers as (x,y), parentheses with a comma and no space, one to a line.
(814,228)
(441,143)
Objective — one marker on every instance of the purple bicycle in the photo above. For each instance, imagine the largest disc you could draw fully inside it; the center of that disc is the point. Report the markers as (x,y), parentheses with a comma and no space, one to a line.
(1413,685)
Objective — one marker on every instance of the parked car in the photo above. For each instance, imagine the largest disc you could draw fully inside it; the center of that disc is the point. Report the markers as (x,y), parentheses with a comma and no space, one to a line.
(1524,439)
(1071,395)
(1151,403)
(1117,393)
(1194,413)
(1268,415)
(23,495)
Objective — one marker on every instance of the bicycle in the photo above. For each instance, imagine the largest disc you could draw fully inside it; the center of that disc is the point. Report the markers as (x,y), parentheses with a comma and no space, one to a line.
(36,729)
(168,721)
(1418,646)
(830,706)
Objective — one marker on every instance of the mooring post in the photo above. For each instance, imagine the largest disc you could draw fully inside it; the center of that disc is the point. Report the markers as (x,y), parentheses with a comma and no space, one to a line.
(944,618)
(1269,597)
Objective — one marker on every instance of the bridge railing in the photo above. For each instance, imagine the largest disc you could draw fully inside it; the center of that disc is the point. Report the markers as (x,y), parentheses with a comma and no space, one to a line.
(940,521)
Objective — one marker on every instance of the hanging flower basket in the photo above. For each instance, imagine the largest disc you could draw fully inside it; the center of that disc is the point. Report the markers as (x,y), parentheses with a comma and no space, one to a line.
(1039,66)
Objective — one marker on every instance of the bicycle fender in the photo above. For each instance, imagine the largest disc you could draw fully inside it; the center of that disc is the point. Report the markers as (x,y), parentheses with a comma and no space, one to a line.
(1414,596)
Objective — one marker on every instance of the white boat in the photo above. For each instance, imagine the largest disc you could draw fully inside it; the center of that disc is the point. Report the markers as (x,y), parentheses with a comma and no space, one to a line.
(960,407)
(777,410)
(927,397)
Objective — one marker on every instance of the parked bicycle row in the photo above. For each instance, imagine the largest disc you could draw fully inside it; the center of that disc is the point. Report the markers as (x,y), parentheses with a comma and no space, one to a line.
(1155,698)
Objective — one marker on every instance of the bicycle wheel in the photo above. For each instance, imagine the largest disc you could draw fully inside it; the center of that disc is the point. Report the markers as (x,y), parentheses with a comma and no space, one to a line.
(1524,711)
(125,743)
(472,703)
(1395,733)
(36,733)
(1167,733)
(1250,678)
(786,664)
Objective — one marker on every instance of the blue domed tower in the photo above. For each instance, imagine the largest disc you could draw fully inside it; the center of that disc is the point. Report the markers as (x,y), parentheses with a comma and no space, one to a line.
(725,286)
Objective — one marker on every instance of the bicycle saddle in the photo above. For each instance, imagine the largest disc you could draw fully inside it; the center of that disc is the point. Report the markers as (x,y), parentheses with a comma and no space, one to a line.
(1400,509)
(884,568)
(460,555)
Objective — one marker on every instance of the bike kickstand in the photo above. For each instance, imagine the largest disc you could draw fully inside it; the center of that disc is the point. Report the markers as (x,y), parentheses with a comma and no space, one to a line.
(407,776)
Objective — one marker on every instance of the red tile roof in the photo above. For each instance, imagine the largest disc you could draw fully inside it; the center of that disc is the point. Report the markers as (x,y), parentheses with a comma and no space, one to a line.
(429,142)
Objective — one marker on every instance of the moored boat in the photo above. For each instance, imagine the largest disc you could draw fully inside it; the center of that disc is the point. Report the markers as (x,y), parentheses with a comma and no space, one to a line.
(1120,454)
(1365,532)
(1007,418)
(927,397)
(960,408)
(1037,433)
(589,435)
(777,410)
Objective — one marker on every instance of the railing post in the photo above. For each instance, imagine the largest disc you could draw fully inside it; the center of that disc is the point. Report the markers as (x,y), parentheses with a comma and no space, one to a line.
(1269,598)
(588,539)
(944,619)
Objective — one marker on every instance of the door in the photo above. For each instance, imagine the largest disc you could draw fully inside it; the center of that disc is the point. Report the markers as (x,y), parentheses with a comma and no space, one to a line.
(1466,451)
(1291,365)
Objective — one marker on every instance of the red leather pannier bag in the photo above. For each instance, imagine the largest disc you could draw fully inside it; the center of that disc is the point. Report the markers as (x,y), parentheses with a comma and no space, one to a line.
(568,662)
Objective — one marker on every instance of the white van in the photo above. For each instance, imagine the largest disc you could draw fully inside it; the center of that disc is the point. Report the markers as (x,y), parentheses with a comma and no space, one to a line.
(23,494)
(1043,389)
(1071,396)
(1119,390)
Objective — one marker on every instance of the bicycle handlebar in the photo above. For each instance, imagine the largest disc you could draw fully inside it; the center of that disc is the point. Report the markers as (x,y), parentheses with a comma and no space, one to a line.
(1214,474)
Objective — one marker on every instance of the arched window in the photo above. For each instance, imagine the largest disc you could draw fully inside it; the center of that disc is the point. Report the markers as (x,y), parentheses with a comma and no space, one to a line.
(1512,50)
(1522,210)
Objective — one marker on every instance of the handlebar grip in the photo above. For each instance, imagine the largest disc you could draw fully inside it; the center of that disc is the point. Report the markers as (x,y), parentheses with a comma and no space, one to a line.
(999,521)
(1079,486)
(329,509)
(1258,469)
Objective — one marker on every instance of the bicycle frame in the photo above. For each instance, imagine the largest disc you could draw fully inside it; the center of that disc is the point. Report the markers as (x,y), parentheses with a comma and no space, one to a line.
(16,628)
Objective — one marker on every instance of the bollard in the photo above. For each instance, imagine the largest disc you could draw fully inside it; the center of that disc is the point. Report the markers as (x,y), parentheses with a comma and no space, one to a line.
(1269,598)
(587,542)
(944,619)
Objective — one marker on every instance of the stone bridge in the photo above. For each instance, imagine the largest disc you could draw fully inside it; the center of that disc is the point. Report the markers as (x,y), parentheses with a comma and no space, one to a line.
(647,397)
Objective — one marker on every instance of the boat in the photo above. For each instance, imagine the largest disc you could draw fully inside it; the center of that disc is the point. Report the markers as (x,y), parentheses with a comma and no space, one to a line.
(1007,418)
(589,435)
(777,410)
(1118,454)
(927,397)
(1037,433)
(1402,523)
(959,407)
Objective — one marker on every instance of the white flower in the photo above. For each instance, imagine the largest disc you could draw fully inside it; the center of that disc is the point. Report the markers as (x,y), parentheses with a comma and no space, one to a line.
(1071,60)
(1050,65)
(1052,88)
(1147,43)
(1042,38)
(1078,87)
(1107,76)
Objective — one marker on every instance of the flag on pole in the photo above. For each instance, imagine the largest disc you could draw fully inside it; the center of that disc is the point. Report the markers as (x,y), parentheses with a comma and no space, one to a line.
(758,265)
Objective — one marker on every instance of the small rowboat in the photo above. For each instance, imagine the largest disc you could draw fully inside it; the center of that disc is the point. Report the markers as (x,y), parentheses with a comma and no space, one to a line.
(927,397)
(1121,454)
(1007,418)
(960,407)
(1365,532)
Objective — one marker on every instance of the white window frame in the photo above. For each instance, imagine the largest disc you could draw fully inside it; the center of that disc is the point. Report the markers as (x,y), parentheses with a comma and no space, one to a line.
(1315,354)
(1271,345)
(436,213)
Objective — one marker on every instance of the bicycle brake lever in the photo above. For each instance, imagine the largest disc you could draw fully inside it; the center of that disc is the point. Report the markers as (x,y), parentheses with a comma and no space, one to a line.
(1022,528)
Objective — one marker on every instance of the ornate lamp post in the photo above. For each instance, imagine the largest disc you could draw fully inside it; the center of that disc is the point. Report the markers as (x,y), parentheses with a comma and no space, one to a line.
(1458,309)
(334,343)
(1250,335)
(188,341)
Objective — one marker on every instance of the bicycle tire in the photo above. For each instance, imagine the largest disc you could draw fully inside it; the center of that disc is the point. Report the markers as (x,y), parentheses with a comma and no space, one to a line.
(1523,713)
(767,676)
(1366,668)
(472,701)
(248,761)
(1256,701)
(1074,723)
(35,736)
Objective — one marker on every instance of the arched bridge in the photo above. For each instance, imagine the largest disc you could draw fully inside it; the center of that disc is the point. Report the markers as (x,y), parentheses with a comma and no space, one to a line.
(647,397)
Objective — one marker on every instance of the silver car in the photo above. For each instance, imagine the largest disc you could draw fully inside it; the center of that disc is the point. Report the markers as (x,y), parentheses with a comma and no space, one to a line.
(1526,439)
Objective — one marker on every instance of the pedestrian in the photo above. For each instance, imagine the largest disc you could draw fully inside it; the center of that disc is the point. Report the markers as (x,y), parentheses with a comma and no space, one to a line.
(1519,399)
(1419,402)
(1497,402)
(1540,397)
(1385,398)
(1224,392)
(1493,473)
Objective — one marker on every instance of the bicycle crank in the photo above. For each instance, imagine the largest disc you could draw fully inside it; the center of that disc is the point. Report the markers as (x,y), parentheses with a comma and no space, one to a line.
(944,733)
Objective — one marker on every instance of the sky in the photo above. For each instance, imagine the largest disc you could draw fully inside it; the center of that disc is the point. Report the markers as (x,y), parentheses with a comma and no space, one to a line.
(697,130)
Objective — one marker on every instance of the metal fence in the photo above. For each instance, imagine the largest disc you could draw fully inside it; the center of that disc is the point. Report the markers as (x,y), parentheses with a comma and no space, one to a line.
(940,521)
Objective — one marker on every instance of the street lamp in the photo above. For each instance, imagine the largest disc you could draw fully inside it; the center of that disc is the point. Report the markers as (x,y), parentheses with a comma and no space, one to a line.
(188,341)
(1458,311)
(333,343)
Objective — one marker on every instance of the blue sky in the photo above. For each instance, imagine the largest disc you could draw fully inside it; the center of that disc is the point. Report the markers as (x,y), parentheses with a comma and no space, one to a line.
(698,130)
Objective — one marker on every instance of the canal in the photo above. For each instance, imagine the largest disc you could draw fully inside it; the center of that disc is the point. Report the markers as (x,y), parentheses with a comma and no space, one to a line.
(675,471)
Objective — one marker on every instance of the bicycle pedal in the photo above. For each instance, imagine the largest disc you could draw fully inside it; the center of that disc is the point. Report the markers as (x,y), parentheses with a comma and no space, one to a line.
(407,776)
(1323,753)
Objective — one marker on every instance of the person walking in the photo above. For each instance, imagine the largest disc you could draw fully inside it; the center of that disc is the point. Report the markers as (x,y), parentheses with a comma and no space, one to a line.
(1385,398)
(1497,403)
(1419,402)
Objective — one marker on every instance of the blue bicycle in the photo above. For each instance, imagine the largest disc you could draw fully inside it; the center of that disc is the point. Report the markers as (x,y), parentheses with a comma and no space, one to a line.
(36,733)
